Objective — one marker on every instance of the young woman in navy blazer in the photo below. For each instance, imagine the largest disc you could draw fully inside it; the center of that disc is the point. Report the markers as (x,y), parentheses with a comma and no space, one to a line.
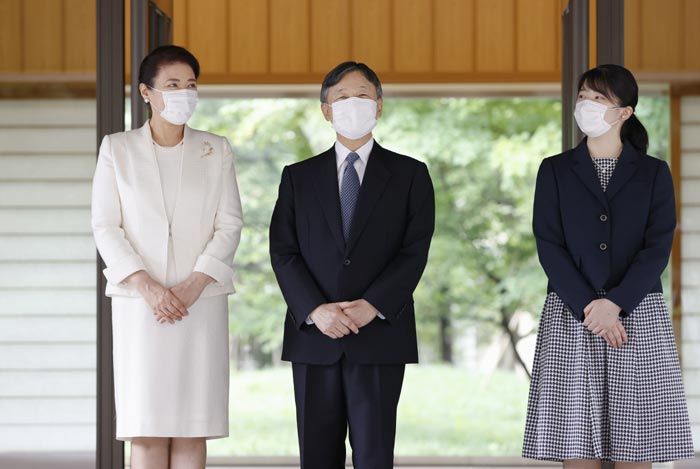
(606,379)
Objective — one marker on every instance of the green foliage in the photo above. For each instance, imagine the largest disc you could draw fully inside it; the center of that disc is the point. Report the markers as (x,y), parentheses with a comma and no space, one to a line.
(483,155)
(456,418)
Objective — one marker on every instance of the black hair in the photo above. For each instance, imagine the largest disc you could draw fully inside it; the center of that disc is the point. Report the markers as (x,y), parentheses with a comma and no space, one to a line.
(165,55)
(618,85)
(339,71)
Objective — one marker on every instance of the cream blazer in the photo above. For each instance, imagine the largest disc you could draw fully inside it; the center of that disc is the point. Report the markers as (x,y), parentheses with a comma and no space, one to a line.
(129,220)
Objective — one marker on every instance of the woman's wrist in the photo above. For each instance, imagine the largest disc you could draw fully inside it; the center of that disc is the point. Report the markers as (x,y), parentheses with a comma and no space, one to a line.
(199,279)
(138,278)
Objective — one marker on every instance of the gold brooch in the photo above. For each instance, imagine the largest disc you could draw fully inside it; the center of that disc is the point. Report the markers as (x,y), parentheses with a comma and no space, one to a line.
(207,149)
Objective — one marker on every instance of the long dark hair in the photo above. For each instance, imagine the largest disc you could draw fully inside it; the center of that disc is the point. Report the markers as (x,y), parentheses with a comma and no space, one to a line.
(618,85)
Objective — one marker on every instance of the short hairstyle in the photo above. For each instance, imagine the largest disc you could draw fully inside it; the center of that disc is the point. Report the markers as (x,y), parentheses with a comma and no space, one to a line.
(337,74)
(165,55)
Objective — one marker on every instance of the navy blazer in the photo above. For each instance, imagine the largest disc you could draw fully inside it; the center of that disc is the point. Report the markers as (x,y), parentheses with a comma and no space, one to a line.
(381,262)
(619,240)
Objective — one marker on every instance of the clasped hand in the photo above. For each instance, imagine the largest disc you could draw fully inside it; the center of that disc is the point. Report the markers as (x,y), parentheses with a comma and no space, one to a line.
(170,304)
(603,319)
(337,320)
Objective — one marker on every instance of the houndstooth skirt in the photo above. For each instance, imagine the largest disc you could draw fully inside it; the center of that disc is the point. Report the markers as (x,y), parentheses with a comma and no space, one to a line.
(591,401)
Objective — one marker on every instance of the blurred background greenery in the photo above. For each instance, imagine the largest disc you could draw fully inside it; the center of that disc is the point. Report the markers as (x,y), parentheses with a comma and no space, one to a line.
(478,303)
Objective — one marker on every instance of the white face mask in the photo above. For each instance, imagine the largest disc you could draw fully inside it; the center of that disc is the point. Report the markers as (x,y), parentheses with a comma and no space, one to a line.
(178,105)
(354,118)
(590,117)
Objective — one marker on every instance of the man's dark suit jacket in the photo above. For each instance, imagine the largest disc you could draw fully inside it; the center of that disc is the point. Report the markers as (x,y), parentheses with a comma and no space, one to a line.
(619,240)
(381,262)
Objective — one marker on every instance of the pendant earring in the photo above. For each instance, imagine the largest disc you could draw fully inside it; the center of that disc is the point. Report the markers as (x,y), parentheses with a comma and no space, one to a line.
(146,100)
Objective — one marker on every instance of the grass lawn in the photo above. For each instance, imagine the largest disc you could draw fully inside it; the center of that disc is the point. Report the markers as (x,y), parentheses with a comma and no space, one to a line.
(443,411)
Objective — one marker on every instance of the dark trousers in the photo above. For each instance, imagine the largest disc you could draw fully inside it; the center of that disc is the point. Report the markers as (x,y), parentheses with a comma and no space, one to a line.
(331,398)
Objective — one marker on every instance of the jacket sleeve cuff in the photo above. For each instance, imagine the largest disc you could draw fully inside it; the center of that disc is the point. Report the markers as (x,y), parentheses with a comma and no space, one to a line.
(116,273)
(213,267)
(616,297)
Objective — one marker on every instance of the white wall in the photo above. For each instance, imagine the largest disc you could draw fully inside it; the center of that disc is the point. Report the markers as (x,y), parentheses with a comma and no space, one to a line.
(690,252)
(47,276)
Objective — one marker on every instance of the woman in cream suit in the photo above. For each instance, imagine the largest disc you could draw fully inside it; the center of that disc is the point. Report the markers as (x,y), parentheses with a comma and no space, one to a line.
(166,216)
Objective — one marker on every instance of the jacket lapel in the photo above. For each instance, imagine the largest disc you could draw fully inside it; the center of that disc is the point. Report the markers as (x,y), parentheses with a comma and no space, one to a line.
(192,176)
(142,152)
(584,169)
(624,169)
(326,184)
(373,183)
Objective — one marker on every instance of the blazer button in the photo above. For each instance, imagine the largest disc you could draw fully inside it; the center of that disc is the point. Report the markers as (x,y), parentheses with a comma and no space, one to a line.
(346,262)
(603,217)
(603,246)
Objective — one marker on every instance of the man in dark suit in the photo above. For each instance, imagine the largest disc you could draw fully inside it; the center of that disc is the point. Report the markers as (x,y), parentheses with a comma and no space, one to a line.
(349,241)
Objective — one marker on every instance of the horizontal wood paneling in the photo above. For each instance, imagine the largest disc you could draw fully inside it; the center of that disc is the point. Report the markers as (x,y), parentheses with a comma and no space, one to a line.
(48,140)
(690,273)
(690,136)
(38,248)
(47,329)
(47,384)
(19,357)
(45,220)
(47,271)
(47,410)
(27,438)
(690,243)
(48,112)
(45,274)
(45,194)
(48,303)
(44,167)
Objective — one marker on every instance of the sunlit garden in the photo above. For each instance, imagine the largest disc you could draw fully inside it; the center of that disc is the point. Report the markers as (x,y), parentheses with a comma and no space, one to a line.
(478,304)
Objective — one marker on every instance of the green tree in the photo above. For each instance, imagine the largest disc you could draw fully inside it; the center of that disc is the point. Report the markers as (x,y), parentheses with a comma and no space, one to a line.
(482,154)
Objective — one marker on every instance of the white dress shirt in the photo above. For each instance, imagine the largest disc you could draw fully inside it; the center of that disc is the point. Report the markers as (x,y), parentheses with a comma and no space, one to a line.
(341,153)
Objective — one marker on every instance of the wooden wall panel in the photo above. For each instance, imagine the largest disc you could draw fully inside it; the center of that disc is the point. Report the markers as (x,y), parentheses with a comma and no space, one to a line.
(495,35)
(297,41)
(207,33)
(180,22)
(10,33)
(248,46)
(80,24)
(330,34)
(536,26)
(691,44)
(454,36)
(372,33)
(633,20)
(289,36)
(661,51)
(42,36)
(413,32)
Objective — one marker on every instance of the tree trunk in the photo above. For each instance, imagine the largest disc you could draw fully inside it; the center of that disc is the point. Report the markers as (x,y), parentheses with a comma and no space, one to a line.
(445,332)
(513,341)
